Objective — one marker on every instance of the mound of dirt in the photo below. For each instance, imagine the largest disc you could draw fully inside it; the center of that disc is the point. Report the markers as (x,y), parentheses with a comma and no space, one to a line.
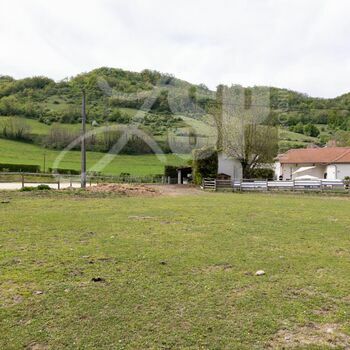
(125,189)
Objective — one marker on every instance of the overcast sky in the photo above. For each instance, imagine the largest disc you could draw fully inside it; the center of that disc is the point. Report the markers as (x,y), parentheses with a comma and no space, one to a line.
(297,44)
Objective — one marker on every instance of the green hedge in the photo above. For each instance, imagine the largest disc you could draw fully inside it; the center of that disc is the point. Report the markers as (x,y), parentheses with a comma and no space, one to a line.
(64,171)
(37,188)
(262,173)
(28,168)
(205,164)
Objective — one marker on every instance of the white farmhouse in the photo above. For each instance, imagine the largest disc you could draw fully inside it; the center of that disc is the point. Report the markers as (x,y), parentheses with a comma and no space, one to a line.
(331,163)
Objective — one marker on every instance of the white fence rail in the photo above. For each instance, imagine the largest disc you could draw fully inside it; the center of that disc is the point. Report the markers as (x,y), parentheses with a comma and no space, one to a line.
(248,185)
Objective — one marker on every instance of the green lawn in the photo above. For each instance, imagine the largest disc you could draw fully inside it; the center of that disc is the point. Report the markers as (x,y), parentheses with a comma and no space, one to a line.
(22,153)
(178,272)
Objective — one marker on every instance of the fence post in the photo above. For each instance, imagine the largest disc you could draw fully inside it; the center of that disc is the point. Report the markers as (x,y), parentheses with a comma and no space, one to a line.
(240,185)
(215,187)
(267,184)
(22,180)
(70,182)
(293,185)
(58,183)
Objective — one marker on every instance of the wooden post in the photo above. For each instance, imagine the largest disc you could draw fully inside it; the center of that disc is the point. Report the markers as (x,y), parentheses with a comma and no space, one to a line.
(83,142)
(58,183)
(22,180)
(215,186)
(179,177)
(70,182)
(293,185)
(267,184)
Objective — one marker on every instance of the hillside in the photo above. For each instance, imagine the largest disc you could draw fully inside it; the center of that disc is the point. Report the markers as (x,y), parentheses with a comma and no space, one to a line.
(118,97)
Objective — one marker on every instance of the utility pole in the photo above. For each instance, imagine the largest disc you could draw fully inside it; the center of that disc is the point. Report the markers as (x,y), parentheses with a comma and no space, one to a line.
(83,142)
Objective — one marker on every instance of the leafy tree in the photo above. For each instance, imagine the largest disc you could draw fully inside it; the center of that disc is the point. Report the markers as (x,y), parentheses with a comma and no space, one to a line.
(118,117)
(299,128)
(311,130)
(192,93)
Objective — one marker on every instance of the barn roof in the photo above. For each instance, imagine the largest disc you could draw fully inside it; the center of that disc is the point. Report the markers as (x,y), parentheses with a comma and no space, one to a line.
(327,155)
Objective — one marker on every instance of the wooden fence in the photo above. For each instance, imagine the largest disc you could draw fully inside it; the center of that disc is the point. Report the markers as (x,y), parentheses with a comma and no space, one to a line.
(264,185)
(64,181)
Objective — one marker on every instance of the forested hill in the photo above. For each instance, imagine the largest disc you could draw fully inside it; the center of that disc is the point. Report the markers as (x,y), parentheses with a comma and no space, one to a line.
(107,90)
(110,91)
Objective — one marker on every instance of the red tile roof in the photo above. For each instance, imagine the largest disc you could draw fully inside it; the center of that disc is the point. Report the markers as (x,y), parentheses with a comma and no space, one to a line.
(325,155)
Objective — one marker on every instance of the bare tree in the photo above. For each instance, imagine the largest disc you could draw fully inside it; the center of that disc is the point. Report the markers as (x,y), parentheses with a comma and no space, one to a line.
(241,116)
(15,128)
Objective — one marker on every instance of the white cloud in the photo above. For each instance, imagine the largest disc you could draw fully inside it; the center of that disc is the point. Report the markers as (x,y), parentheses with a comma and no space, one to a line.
(296,44)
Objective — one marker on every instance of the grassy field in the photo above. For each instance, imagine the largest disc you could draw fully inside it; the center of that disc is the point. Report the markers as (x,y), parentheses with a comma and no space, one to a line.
(37,128)
(91,272)
(22,153)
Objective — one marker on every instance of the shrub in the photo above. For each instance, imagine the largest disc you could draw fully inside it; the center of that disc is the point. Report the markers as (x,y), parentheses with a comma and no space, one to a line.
(347,182)
(27,189)
(20,168)
(43,187)
(262,173)
(118,117)
(311,130)
(37,188)
(64,171)
(205,164)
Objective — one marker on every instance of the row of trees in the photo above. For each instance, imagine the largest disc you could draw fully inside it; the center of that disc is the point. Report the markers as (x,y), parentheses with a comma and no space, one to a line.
(15,129)
(60,138)
(308,129)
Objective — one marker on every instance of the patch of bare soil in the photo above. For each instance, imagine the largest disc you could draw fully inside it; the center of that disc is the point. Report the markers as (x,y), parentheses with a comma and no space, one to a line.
(146,190)
(178,190)
(36,346)
(321,335)
(125,189)
(215,268)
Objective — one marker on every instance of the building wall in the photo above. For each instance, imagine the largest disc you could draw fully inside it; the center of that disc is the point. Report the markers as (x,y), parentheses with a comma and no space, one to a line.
(338,171)
(287,170)
(229,166)
(278,170)
(331,172)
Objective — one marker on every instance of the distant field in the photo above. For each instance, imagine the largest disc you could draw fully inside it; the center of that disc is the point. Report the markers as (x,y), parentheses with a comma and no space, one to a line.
(37,128)
(86,272)
(285,134)
(19,152)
